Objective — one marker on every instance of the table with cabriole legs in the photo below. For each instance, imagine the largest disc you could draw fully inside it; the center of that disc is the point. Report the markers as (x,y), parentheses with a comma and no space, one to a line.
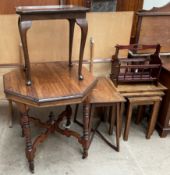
(73,14)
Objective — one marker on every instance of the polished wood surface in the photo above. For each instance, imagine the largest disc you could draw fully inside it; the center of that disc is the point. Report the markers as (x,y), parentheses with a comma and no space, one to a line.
(50,9)
(153,27)
(105,92)
(54,84)
(56,76)
(8,6)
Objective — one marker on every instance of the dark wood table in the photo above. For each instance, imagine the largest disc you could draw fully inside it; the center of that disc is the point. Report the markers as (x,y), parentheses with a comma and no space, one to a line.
(73,14)
(54,84)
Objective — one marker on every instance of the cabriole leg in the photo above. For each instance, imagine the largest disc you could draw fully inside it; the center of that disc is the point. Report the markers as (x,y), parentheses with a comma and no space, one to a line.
(23,28)
(71,33)
(84,28)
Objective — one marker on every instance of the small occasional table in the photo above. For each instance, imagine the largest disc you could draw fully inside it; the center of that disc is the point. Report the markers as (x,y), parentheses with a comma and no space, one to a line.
(142,94)
(74,14)
(54,84)
(105,94)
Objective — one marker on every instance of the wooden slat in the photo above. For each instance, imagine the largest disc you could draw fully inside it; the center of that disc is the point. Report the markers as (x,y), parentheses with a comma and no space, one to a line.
(144,94)
(140,88)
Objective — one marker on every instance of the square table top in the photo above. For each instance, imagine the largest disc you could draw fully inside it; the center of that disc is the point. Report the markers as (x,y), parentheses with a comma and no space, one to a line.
(105,92)
(50,9)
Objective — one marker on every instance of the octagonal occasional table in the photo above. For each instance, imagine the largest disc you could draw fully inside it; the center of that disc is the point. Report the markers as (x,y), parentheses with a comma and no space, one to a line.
(54,84)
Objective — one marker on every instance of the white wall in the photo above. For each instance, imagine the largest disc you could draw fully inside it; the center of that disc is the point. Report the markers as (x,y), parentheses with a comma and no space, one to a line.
(148,4)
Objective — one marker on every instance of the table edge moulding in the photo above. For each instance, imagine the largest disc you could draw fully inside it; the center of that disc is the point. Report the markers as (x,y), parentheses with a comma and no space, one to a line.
(54,84)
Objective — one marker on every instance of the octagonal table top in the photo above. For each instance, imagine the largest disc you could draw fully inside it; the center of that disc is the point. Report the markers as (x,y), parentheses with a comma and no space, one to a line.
(52,84)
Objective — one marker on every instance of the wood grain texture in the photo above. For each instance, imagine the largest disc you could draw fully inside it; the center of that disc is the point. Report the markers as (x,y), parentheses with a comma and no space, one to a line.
(143,94)
(105,92)
(52,83)
(143,100)
(50,38)
(158,32)
(75,2)
(140,88)
(131,5)
(153,27)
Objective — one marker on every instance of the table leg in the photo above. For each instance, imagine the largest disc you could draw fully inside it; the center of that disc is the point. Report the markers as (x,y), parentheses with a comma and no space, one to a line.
(85,128)
(128,121)
(91,116)
(68,115)
(152,122)
(121,118)
(112,119)
(27,133)
(84,28)
(118,116)
(71,33)
(10,113)
(76,111)
(140,115)
(23,28)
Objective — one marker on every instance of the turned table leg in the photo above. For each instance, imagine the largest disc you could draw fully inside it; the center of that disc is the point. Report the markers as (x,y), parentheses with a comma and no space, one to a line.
(85,129)
(27,134)
(24,26)
(84,28)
